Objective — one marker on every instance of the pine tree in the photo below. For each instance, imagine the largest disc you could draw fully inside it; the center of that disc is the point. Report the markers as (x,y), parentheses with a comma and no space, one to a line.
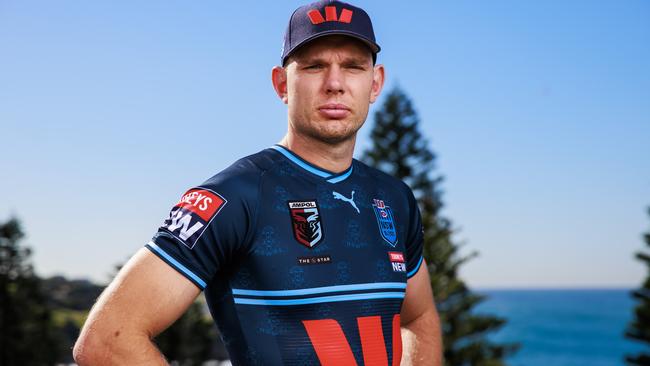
(27,333)
(399,149)
(639,327)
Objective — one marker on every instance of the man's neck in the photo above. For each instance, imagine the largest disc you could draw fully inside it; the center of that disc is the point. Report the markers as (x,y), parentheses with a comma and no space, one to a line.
(335,158)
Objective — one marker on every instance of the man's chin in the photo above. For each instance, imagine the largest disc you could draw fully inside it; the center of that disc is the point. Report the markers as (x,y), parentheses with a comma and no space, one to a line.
(330,131)
(333,137)
(337,140)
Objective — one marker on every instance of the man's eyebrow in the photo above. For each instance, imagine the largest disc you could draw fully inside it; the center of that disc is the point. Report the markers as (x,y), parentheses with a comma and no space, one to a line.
(310,60)
(320,60)
(356,60)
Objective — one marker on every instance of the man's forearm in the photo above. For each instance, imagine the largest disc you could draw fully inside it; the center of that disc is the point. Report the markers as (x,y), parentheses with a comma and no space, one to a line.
(422,341)
(111,350)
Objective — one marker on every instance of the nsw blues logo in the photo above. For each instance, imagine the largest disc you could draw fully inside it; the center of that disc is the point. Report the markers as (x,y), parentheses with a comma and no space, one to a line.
(385,221)
(306,223)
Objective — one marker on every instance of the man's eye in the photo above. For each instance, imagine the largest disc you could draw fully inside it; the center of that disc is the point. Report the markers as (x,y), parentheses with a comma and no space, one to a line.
(356,67)
(315,66)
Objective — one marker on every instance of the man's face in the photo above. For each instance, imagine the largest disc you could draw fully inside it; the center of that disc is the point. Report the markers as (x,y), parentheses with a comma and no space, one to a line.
(330,83)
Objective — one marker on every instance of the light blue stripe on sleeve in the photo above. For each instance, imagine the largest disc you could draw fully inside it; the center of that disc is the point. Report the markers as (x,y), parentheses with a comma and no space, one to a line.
(320,290)
(415,270)
(177,264)
(322,299)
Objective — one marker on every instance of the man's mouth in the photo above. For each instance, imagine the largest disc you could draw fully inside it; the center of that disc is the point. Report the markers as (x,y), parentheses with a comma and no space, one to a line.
(334,110)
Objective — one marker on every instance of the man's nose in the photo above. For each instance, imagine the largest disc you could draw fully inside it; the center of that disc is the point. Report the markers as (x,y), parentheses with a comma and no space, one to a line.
(334,80)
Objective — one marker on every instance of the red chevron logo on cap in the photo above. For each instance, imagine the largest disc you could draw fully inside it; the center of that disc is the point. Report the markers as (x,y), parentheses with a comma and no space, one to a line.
(330,15)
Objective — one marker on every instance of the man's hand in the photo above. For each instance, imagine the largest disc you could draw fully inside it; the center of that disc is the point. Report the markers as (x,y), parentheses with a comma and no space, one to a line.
(145,297)
(421,337)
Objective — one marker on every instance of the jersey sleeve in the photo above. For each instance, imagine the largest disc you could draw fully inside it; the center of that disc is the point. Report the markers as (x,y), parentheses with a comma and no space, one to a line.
(208,227)
(415,238)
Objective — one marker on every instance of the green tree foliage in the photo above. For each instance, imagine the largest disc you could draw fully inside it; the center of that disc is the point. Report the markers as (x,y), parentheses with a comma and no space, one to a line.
(27,335)
(639,327)
(190,340)
(74,294)
(69,301)
(40,319)
(399,149)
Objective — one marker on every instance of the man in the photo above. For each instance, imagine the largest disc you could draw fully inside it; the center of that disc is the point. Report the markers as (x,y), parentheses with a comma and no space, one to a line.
(306,256)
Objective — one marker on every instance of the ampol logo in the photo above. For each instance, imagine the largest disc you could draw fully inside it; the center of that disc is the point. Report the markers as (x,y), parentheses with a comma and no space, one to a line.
(306,222)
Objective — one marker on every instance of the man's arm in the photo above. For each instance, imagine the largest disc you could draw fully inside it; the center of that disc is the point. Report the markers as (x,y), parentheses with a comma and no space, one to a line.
(145,298)
(421,336)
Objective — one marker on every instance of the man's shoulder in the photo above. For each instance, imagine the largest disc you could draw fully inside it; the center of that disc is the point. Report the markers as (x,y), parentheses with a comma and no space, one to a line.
(244,173)
(381,177)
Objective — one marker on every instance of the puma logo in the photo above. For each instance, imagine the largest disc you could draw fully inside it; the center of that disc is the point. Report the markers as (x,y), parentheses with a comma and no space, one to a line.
(350,200)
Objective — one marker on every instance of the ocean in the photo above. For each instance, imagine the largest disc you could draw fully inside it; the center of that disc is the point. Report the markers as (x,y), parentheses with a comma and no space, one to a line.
(561,327)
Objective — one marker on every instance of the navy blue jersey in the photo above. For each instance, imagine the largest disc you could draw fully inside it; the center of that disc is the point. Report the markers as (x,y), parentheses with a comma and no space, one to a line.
(300,266)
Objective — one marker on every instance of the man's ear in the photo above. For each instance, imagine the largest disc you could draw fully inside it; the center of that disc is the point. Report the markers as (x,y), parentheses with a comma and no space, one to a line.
(279,79)
(377,82)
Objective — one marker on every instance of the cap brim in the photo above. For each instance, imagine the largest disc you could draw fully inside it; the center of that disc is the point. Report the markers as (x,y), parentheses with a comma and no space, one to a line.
(374,48)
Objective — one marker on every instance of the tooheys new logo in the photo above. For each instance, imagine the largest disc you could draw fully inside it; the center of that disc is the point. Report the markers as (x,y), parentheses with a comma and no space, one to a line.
(397,260)
(190,217)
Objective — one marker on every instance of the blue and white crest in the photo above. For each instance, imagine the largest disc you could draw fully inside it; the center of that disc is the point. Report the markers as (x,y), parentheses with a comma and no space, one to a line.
(385,221)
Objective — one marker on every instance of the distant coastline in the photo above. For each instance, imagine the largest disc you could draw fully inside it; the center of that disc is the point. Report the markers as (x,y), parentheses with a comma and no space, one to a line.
(553,288)
(563,326)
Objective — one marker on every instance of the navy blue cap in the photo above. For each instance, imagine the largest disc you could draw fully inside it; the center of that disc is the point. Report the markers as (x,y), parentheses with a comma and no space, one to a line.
(327,17)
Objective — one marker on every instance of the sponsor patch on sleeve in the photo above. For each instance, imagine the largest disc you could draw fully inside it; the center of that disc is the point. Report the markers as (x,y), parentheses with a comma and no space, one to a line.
(190,217)
(397,261)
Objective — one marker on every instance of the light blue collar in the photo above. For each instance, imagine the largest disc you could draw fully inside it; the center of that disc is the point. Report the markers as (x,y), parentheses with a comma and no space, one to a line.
(327,175)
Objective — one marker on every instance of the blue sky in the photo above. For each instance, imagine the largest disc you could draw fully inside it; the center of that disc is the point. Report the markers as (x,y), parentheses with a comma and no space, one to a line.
(539,113)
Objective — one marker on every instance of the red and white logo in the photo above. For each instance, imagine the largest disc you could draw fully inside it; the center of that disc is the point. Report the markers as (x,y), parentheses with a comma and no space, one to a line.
(396,257)
(397,261)
(306,222)
(202,202)
(330,15)
(190,217)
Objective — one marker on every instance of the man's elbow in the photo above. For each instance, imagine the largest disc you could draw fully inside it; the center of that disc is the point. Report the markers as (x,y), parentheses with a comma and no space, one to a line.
(426,324)
(99,345)
(87,348)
